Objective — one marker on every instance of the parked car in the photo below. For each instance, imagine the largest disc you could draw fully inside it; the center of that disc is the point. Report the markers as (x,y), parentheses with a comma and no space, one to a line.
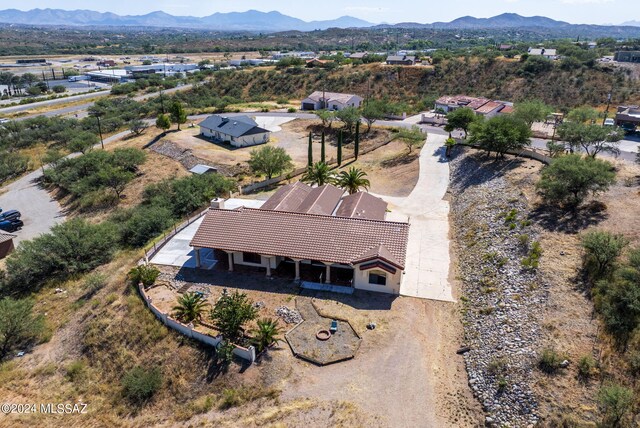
(10,215)
(609,122)
(11,225)
(628,128)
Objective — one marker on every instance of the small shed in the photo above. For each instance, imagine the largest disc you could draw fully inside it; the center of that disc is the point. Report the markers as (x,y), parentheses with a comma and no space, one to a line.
(203,169)
(6,244)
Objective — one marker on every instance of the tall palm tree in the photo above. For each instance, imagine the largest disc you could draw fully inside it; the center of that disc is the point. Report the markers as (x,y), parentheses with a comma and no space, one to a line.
(353,180)
(318,173)
(190,307)
(267,333)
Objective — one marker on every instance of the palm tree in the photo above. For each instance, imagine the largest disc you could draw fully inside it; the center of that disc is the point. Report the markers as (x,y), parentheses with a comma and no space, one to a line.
(318,173)
(190,307)
(266,333)
(353,180)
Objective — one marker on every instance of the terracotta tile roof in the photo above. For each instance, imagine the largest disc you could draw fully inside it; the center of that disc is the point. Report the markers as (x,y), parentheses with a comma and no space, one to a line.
(303,236)
(288,197)
(489,107)
(321,200)
(507,109)
(4,237)
(378,252)
(362,205)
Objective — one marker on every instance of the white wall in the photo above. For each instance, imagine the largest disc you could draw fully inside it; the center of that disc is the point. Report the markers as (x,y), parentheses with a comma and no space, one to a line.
(248,140)
(361,281)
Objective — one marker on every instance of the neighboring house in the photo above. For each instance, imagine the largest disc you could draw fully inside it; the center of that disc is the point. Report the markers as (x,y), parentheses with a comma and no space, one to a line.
(358,55)
(490,109)
(316,62)
(628,115)
(505,47)
(6,244)
(311,235)
(239,131)
(627,56)
(203,169)
(450,103)
(320,100)
(106,63)
(546,53)
(401,60)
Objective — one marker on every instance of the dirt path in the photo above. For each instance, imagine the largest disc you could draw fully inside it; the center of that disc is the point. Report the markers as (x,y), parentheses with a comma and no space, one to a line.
(410,377)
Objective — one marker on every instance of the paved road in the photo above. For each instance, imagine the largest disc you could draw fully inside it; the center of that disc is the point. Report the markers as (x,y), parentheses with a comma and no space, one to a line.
(80,110)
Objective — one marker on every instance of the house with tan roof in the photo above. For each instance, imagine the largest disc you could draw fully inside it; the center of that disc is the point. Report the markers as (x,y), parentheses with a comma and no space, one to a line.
(317,236)
(321,100)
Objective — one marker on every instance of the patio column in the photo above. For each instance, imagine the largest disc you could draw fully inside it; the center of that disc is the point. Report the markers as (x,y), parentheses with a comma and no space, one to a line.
(230,261)
(297,262)
(327,276)
(268,267)
(198,263)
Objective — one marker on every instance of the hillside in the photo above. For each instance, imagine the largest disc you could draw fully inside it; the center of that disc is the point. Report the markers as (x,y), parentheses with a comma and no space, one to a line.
(417,87)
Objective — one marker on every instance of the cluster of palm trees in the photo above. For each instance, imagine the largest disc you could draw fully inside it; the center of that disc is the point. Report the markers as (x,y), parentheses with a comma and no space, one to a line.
(351,180)
(191,308)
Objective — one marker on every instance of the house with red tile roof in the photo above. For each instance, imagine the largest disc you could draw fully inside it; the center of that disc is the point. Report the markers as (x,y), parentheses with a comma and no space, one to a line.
(316,235)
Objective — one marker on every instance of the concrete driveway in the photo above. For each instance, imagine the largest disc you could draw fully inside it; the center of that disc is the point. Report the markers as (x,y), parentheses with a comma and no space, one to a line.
(427,264)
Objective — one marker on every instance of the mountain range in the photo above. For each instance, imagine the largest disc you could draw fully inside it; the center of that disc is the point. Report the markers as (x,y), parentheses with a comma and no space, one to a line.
(256,21)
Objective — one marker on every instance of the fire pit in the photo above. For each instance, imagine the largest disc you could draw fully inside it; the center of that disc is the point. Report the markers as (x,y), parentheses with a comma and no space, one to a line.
(323,335)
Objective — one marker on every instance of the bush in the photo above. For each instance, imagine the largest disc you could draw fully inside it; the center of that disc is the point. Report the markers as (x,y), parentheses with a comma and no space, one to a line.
(94,282)
(72,247)
(293,110)
(18,325)
(569,179)
(141,224)
(615,402)
(145,274)
(533,258)
(139,384)
(602,249)
(58,89)
(586,367)
(76,370)
(549,361)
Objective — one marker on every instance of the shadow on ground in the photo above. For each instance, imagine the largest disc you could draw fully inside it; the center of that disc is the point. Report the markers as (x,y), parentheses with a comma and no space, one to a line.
(555,219)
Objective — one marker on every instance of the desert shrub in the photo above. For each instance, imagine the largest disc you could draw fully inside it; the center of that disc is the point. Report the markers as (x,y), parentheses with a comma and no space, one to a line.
(95,281)
(145,274)
(139,384)
(586,366)
(615,402)
(19,326)
(549,361)
(76,370)
(532,260)
(601,250)
(139,225)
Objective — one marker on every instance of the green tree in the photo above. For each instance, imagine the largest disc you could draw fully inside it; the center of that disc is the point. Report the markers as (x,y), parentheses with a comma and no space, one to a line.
(356,144)
(163,122)
(178,113)
(310,150)
(352,180)
(411,137)
(532,111)
(340,148)
(501,134)
(322,148)
(372,111)
(270,161)
(267,333)
(230,313)
(115,179)
(601,250)
(326,116)
(615,402)
(138,126)
(449,144)
(349,116)
(583,114)
(190,307)
(568,180)
(592,138)
(82,141)
(319,173)
(19,326)
(461,118)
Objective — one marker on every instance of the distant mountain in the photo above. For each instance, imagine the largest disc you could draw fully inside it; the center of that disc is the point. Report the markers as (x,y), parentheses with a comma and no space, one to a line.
(251,20)
(632,23)
(506,20)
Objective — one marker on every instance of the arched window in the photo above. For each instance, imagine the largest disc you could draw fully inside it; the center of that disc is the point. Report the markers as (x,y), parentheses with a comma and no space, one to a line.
(378,277)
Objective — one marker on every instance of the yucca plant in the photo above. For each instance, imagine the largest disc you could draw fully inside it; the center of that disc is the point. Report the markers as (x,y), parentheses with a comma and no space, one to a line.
(267,333)
(190,307)
(353,180)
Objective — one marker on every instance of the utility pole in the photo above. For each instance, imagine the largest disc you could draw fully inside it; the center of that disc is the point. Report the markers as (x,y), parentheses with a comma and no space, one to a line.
(606,111)
(161,101)
(97,116)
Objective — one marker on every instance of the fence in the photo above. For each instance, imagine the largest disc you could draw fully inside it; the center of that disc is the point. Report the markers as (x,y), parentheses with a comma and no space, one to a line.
(148,254)
(525,153)
(248,354)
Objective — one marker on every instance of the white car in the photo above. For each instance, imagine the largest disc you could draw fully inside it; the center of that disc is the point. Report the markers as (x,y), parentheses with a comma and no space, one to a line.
(609,122)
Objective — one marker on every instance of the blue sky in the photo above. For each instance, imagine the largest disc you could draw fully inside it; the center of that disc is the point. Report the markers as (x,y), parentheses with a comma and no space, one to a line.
(574,11)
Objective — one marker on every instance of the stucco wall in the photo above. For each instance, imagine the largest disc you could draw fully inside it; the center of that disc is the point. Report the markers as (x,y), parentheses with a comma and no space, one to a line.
(237,259)
(248,140)
(361,281)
